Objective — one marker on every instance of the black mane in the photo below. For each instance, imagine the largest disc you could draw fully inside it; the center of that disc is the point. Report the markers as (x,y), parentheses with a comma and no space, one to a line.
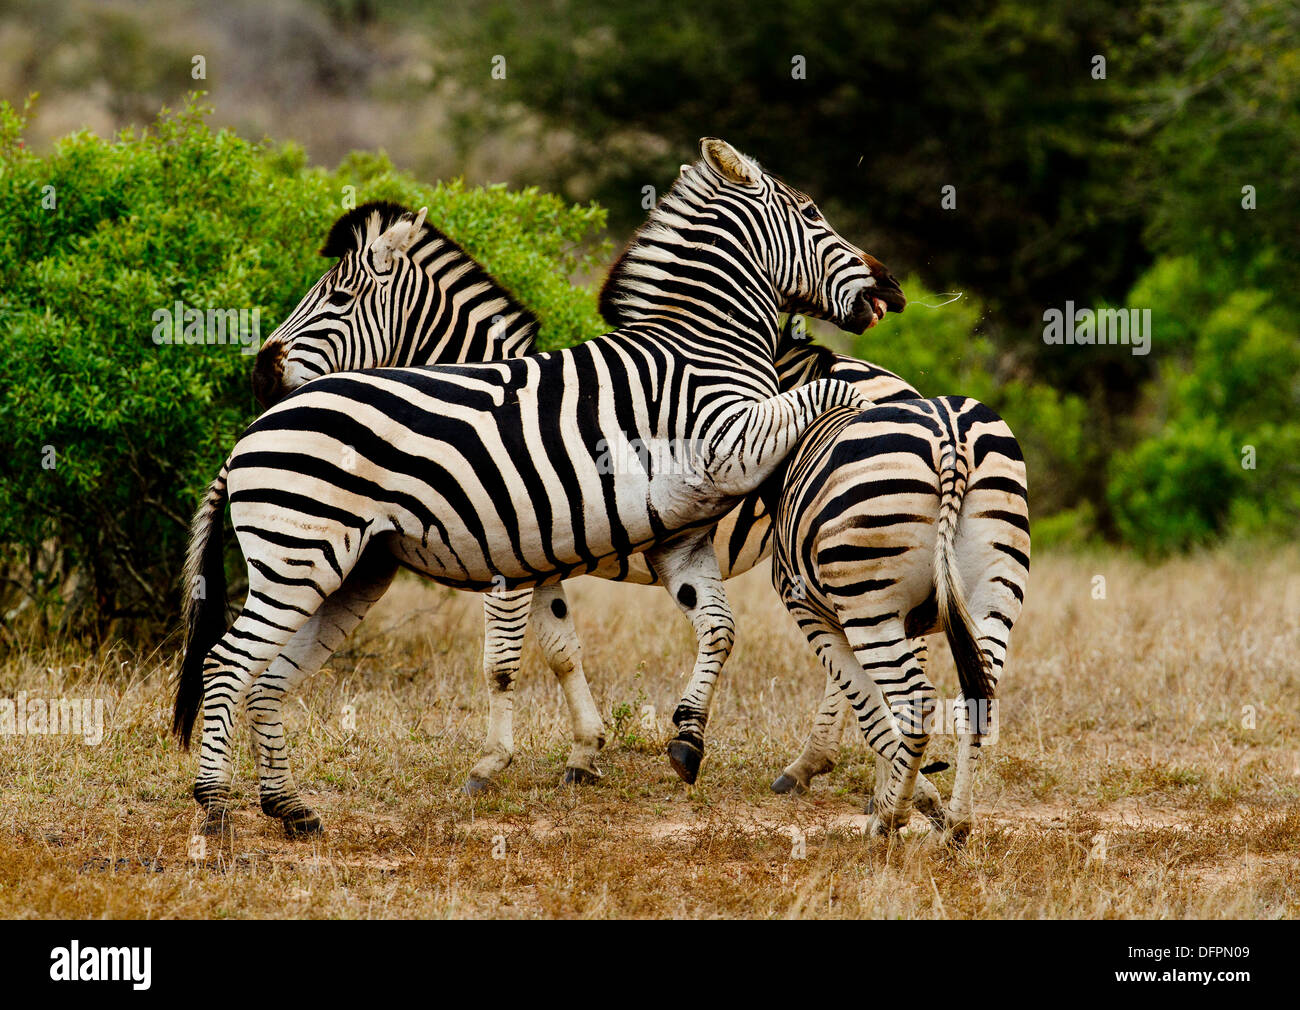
(349,231)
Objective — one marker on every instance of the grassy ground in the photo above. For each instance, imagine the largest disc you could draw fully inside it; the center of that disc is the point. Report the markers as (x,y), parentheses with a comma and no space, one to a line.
(1148,765)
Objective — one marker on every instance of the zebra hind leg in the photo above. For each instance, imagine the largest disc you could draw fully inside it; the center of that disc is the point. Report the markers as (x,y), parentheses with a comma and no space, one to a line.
(244,651)
(305,654)
(885,651)
(818,755)
(552,619)
(857,690)
(993,643)
(925,797)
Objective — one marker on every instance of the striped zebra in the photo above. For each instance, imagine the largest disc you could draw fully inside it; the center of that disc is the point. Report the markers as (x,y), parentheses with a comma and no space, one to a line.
(316,333)
(894,523)
(469,472)
(318,339)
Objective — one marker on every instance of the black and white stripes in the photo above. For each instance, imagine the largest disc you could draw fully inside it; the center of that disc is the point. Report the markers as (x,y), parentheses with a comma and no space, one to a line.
(467,473)
(401,293)
(894,523)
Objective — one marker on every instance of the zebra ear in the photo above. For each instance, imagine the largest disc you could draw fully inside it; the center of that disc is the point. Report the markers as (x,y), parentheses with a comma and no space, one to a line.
(397,239)
(729,163)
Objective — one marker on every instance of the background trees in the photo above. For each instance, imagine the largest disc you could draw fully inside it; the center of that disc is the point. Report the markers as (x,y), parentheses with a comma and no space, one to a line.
(1170,184)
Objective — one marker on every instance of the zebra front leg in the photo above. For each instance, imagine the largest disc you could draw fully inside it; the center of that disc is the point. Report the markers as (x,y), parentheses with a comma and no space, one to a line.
(553,622)
(689,571)
(818,755)
(757,437)
(305,654)
(505,619)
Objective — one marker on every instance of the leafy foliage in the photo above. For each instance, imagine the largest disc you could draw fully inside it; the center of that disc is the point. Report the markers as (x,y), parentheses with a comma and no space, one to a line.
(110,436)
(1169,183)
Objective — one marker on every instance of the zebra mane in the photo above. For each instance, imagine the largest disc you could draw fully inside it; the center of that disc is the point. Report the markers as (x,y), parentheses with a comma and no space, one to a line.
(362,225)
(356,229)
(647,257)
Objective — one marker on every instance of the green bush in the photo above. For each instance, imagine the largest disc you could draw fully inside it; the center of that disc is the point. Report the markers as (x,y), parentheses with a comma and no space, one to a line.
(1218,445)
(111,437)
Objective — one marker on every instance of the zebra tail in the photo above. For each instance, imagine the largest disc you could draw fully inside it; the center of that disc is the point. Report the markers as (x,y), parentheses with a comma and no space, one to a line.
(954,616)
(204,611)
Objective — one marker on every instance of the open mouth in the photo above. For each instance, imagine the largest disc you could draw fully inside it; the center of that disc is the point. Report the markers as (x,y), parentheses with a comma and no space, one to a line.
(878,309)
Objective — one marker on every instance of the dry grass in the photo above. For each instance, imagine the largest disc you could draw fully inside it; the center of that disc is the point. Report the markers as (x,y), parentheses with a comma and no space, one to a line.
(1127,781)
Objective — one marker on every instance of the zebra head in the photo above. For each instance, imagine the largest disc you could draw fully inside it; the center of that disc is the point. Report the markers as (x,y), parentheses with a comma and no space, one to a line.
(815,270)
(401,293)
(760,243)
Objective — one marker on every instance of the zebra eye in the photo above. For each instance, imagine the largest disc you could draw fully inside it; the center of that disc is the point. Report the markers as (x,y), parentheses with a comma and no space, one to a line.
(339,297)
(812,213)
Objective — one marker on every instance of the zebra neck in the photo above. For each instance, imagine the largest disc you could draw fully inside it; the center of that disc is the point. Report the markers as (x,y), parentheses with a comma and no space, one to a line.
(457,312)
(690,262)
(800,363)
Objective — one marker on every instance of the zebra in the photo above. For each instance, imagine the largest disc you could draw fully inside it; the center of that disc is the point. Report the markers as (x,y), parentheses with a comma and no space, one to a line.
(447,309)
(446,469)
(893,523)
(314,333)
(741,539)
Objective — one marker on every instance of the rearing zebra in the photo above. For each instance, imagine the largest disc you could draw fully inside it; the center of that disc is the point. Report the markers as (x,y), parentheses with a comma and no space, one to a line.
(465,472)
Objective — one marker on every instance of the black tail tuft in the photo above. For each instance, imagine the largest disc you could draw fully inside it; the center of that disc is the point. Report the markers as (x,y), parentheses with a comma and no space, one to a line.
(972,668)
(204,592)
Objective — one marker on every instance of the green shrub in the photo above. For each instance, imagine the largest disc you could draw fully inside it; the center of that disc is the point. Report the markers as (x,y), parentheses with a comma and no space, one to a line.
(1219,429)
(110,437)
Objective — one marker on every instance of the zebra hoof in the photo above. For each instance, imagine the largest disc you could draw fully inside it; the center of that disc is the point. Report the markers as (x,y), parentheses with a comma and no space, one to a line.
(685,757)
(788,784)
(302,822)
(929,804)
(956,833)
(475,786)
(219,824)
(580,777)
